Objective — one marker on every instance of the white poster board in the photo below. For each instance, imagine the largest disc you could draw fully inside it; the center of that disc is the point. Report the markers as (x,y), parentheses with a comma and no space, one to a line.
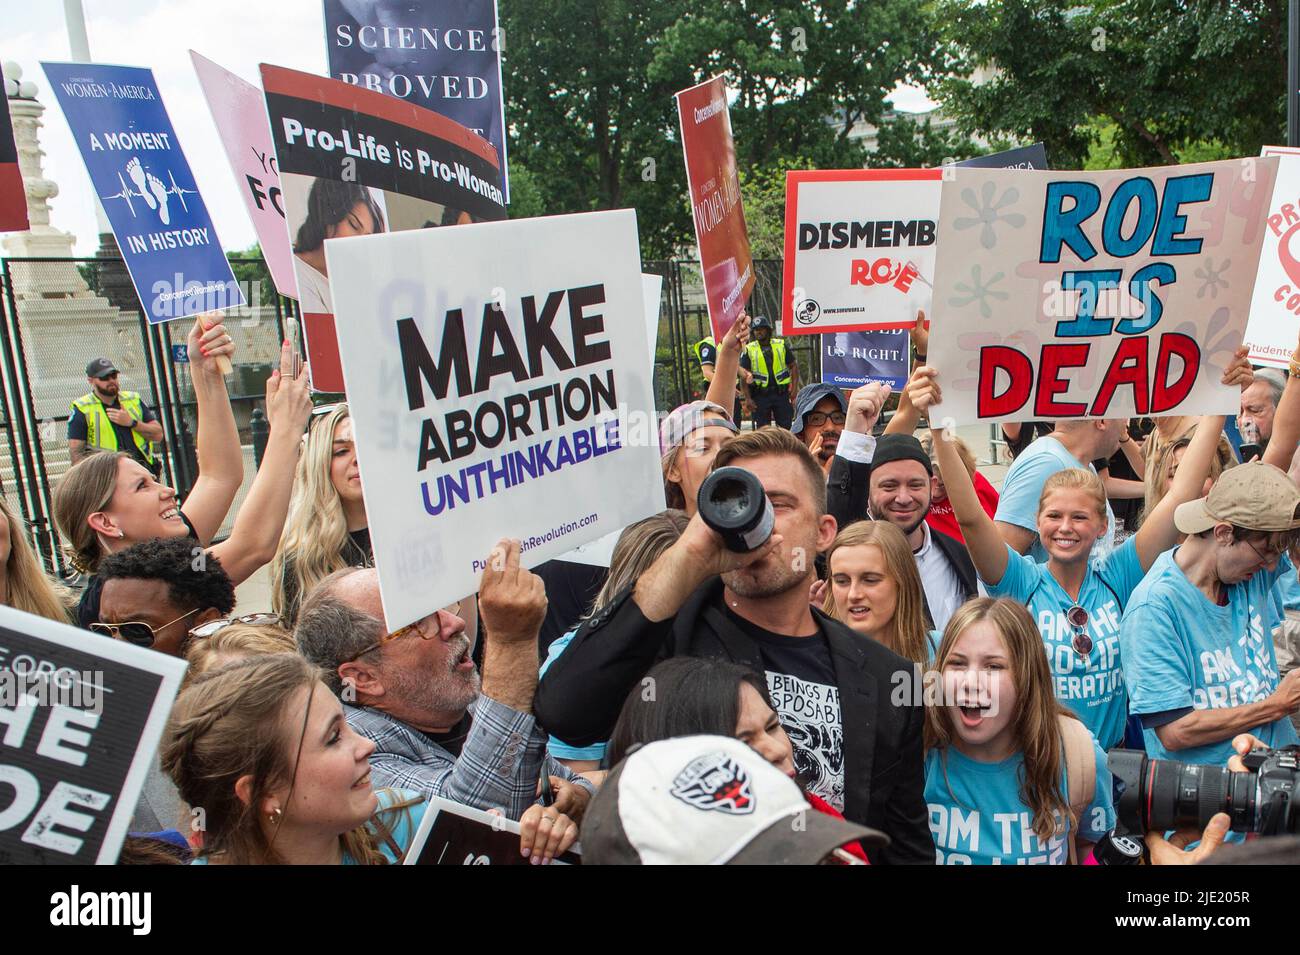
(497,377)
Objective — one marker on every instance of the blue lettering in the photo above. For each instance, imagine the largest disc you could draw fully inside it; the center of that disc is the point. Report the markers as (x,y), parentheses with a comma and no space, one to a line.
(1112,237)
(1172,223)
(1087,283)
(1063,226)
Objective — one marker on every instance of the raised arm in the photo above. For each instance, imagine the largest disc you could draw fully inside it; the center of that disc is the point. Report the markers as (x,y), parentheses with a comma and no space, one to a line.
(221,459)
(258,525)
(722,387)
(988,552)
(906,417)
(1286,420)
(1158,533)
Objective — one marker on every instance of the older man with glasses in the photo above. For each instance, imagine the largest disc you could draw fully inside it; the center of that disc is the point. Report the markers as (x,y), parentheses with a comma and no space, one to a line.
(439,727)
(819,414)
(1196,637)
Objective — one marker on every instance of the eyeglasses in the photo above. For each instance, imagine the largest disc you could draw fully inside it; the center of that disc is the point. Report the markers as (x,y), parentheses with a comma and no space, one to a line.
(1077,618)
(417,627)
(135,631)
(815,419)
(112,377)
(1273,553)
(213,627)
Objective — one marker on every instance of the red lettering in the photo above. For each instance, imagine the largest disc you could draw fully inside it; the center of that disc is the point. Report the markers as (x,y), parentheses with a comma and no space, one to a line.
(905,280)
(880,270)
(1018,368)
(858,273)
(1050,384)
(1121,372)
(1165,396)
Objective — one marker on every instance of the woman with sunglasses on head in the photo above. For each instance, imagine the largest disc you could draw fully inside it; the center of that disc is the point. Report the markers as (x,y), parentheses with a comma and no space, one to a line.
(109,502)
(1011,776)
(1076,602)
(263,747)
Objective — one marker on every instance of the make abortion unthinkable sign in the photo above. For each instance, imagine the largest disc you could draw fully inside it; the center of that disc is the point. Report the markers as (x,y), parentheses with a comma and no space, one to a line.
(499,381)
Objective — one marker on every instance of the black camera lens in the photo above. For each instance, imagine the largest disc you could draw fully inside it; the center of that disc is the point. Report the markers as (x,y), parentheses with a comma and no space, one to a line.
(1163,794)
(733,503)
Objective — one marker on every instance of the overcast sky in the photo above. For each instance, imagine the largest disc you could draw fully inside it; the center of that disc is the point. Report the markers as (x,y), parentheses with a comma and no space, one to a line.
(237,34)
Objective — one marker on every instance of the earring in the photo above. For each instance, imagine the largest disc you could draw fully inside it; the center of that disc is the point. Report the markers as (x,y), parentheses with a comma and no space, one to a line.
(121,534)
(274,817)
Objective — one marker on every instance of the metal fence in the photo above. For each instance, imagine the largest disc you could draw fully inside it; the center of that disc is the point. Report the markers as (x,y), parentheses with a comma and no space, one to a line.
(50,333)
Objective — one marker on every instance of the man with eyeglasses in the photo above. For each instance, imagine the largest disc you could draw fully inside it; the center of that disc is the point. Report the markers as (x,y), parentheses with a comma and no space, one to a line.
(819,412)
(438,726)
(109,419)
(1196,636)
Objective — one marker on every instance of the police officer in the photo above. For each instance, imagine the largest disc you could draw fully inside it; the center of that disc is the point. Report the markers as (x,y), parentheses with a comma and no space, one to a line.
(110,419)
(769,396)
(706,353)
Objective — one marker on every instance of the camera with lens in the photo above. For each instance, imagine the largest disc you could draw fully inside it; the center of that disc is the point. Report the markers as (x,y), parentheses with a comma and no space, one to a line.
(1162,794)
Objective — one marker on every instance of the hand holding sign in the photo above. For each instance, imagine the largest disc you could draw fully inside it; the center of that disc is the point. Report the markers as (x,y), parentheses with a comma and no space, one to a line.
(923,389)
(210,346)
(1239,372)
(288,397)
(920,334)
(545,833)
(511,600)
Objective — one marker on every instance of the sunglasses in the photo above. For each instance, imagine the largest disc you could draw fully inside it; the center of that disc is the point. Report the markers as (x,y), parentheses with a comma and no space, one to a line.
(112,377)
(1077,618)
(135,631)
(417,627)
(213,627)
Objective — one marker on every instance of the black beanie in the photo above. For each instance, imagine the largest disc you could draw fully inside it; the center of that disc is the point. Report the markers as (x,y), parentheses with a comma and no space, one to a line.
(900,447)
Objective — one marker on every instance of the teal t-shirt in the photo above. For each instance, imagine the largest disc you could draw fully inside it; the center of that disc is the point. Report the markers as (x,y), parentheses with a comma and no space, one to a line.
(1182,651)
(556,746)
(402,824)
(1093,687)
(978,818)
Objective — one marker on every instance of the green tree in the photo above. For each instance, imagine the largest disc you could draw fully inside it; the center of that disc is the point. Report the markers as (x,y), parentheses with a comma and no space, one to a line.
(254,278)
(1147,81)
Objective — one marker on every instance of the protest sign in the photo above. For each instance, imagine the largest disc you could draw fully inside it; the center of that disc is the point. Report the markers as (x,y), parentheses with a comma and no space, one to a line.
(716,208)
(82,716)
(13,194)
(873,272)
(1022,157)
(1113,294)
(143,180)
(239,113)
(497,378)
(354,162)
(452,833)
(850,359)
(443,56)
(1275,306)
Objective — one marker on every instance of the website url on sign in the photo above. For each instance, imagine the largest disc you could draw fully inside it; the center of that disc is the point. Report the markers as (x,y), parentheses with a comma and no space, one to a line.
(537,540)
(1203,922)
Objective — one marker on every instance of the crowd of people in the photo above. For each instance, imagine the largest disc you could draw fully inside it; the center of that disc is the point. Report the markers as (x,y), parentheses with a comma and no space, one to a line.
(914,667)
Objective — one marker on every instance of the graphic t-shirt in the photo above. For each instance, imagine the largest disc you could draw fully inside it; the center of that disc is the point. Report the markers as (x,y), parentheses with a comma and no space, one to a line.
(1023,486)
(801,681)
(1182,651)
(1093,687)
(978,818)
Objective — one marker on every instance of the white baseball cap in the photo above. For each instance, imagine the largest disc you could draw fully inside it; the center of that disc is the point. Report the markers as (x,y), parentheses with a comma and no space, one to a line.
(708,800)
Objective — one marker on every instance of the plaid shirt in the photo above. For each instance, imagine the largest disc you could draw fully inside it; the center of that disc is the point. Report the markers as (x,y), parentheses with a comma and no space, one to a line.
(499,765)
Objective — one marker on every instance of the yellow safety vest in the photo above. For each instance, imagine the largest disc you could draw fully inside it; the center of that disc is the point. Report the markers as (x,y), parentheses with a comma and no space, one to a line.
(758,364)
(99,429)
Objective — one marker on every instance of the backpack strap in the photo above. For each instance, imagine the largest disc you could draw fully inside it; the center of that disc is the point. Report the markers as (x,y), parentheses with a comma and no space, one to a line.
(1080,773)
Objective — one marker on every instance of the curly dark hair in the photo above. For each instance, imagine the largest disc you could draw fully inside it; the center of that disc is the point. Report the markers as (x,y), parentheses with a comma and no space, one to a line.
(191,582)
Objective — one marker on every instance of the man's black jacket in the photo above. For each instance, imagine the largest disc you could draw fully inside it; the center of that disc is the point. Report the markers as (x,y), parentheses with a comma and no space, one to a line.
(847,496)
(580,696)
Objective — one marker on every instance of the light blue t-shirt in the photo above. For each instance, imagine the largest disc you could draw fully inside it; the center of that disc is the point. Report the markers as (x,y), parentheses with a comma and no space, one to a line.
(1023,486)
(557,747)
(1093,687)
(978,818)
(1182,651)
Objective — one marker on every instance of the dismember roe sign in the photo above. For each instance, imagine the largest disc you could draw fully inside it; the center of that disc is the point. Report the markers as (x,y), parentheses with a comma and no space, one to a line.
(80,720)
(498,379)
(1112,294)
(716,208)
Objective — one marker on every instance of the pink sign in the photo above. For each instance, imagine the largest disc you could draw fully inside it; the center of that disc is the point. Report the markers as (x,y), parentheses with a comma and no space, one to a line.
(239,112)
